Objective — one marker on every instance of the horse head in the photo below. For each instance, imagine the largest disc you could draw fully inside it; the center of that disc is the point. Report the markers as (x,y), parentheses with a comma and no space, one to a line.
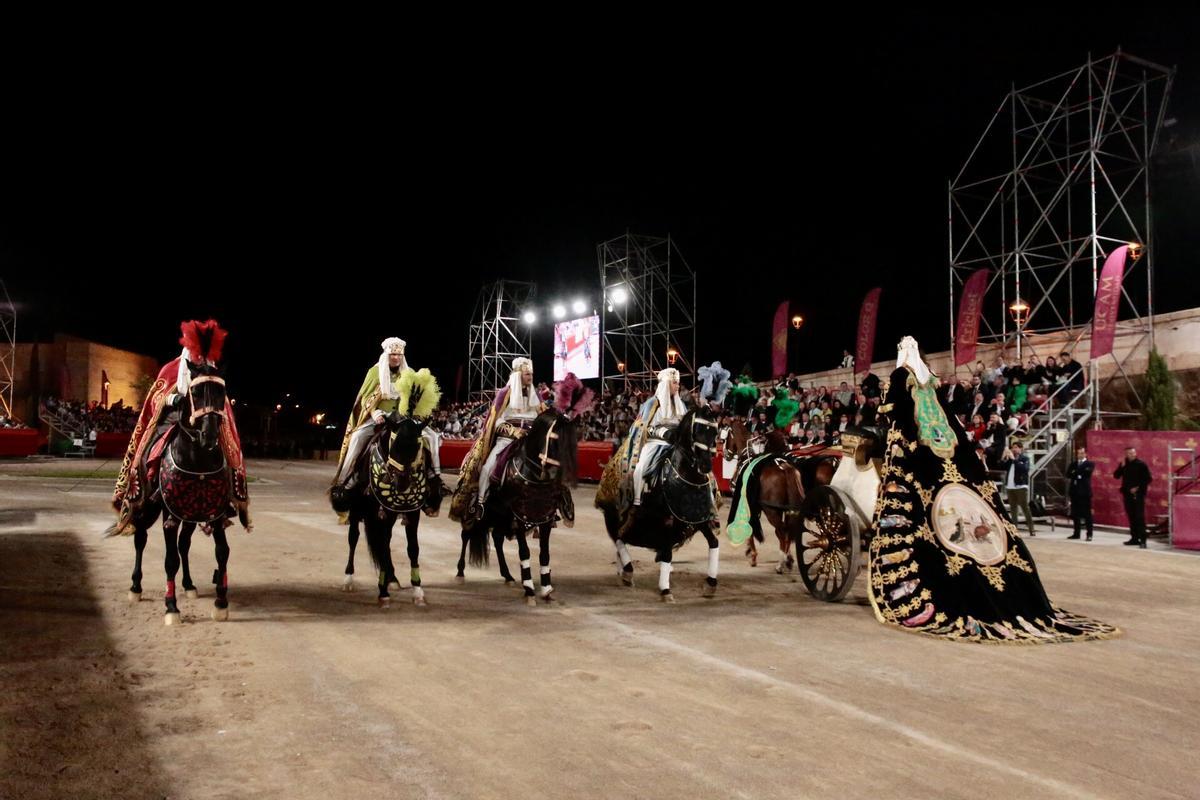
(203,408)
(403,445)
(550,448)
(697,438)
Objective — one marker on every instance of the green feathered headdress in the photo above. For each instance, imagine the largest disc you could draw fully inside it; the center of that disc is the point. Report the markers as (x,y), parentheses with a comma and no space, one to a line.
(744,395)
(786,409)
(419,393)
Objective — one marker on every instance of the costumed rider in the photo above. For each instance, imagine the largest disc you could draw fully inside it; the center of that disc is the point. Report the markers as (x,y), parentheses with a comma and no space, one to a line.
(655,430)
(509,419)
(377,397)
(202,344)
(744,518)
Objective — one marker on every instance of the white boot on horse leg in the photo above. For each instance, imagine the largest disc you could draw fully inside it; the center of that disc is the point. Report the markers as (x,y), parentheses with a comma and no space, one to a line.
(348,583)
(714,564)
(547,589)
(625,564)
(664,582)
(419,596)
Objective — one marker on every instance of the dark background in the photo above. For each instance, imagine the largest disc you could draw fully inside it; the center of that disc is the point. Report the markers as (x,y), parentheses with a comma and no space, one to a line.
(316,201)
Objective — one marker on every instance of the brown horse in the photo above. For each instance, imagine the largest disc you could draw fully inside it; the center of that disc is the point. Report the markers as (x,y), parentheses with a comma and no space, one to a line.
(780,488)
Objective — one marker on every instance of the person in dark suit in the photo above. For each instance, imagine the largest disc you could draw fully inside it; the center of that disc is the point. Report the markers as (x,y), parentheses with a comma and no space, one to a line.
(1079,489)
(1135,477)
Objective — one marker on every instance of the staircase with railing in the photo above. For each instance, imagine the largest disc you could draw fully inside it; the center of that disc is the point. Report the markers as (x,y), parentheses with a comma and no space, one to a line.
(1050,433)
(68,428)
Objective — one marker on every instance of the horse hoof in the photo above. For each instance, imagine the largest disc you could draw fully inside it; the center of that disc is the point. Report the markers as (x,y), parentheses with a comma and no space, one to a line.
(171,618)
(708,590)
(134,597)
(667,598)
(530,601)
(548,595)
(220,614)
(509,581)
(419,596)
(460,578)
(394,586)
(754,561)
(385,602)
(626,579)
(190,594)
(348,584)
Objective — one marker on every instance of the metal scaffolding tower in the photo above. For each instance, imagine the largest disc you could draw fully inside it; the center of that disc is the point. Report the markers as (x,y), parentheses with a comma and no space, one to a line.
(1060,177)
(649,310)
(8,349)
(497,335)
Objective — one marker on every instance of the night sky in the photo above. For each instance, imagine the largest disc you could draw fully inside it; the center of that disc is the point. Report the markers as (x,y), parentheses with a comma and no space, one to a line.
(316,204)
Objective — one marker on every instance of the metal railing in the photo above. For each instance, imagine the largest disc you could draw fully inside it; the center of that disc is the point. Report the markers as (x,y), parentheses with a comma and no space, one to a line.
(1184,479)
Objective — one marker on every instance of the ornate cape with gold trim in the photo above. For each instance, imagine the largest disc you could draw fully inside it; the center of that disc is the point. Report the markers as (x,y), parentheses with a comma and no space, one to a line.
(945,559)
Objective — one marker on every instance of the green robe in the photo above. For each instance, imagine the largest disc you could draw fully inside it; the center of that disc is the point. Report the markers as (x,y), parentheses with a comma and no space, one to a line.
(368,400)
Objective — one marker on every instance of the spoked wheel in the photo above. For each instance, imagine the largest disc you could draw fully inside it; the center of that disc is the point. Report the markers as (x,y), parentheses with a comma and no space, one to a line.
(830,546)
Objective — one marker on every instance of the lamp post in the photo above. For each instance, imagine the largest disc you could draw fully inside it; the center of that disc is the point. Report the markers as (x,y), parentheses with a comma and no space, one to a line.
(1020,314)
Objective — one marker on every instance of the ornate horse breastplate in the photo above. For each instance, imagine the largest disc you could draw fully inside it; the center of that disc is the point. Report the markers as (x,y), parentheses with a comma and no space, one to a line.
(389,493)
(200,497)
(687,500)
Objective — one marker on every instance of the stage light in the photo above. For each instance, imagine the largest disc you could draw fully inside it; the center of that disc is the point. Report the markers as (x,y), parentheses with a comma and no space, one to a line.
(621,367)
(619,295)
(559,311)
(578,307)
(529,317)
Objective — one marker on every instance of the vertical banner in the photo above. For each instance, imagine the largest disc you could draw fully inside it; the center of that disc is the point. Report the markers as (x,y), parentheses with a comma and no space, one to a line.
(865,348)
(1108,302)
(966,337)
(779,341)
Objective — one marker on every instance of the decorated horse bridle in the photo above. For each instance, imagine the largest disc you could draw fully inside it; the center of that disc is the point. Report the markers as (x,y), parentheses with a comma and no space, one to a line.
(197,413)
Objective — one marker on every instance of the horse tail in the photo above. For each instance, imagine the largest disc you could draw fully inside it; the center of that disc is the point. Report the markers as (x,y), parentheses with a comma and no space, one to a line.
(478,544)
(378,540)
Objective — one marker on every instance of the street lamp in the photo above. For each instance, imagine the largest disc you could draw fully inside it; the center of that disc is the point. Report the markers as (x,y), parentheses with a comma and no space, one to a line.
(672,356)
(1020,312)
(797,321)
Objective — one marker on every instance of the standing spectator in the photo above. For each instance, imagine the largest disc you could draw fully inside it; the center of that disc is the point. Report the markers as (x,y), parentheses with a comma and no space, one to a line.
(1079,489)
(1135,477)
(847,360)
(1016,484)
(844,395)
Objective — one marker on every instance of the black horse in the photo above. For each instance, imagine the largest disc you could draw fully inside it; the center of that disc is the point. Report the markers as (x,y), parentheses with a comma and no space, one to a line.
(534,495)
(391,481)
(193,486)
(677,502)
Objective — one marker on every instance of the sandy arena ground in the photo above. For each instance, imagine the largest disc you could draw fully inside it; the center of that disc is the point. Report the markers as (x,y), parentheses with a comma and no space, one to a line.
(311,693)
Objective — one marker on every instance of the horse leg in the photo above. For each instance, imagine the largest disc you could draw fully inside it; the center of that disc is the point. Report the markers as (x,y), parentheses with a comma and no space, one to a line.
(498,543)
(714,561)
(139,545)
(379,539)
(785,562)
(664,574)
(221,575)
(626,562)
(352,535)
(526,569)
(185,547)
(752,552)
(171,566)
(414,556)
(544,562)
(461,575)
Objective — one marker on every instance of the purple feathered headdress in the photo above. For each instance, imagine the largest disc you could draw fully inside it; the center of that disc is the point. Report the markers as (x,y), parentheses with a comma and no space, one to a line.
(572,398)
